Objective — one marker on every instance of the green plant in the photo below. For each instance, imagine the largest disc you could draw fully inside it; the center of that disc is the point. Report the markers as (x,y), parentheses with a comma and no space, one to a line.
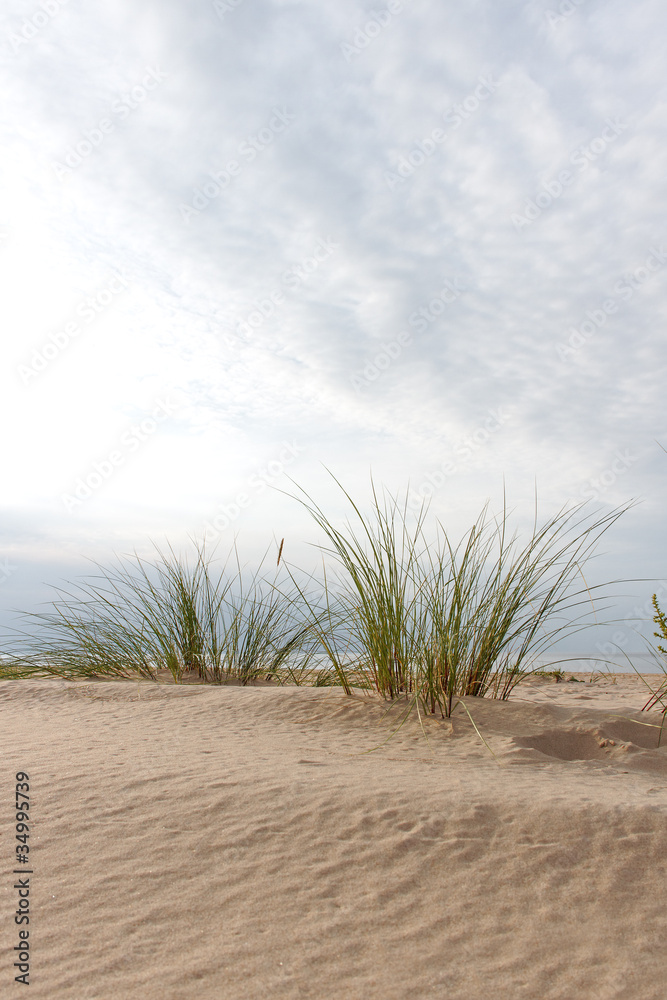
(140,618)
(659,696)
(405,614)
(434,622)
(558,675)
(661,621)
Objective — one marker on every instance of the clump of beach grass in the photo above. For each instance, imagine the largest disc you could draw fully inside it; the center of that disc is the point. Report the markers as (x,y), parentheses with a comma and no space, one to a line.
(172,614)
(558,674)
(430,621)
(404,613)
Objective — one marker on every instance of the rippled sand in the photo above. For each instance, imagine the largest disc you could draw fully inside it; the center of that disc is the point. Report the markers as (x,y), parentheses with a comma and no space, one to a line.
(192,842)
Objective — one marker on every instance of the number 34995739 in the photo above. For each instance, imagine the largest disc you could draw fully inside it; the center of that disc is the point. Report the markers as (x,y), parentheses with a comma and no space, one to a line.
(22,814)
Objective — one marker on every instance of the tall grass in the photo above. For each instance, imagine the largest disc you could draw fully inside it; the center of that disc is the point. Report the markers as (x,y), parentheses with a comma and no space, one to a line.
(400,609)
(434,621)
(140,618)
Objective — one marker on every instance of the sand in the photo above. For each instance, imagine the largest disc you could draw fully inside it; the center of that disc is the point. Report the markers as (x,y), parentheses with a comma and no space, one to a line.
(202,842)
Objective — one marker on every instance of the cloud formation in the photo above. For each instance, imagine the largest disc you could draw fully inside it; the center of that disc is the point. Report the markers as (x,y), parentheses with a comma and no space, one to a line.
(376,230)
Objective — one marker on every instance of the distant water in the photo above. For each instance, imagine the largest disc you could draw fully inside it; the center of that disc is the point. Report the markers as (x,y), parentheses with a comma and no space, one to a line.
(572,662)
(580,662)
(587,662)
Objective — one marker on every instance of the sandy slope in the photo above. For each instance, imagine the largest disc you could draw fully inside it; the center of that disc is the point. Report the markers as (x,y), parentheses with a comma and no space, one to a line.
(237,843)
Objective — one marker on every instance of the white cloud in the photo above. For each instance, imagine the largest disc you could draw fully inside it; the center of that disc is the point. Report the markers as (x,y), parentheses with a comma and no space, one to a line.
(218,83)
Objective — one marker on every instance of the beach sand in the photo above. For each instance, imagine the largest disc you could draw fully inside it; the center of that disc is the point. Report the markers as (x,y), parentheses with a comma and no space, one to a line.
(227,842)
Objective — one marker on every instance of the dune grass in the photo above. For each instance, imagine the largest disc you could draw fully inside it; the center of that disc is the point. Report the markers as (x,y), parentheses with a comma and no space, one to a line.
(399,609)
(432,621)
(139,618)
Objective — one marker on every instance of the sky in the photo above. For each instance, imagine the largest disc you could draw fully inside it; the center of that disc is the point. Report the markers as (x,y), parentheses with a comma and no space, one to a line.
(245,242)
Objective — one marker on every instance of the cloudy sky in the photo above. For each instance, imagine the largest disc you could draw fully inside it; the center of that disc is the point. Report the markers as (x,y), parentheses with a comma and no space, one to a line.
(246,240)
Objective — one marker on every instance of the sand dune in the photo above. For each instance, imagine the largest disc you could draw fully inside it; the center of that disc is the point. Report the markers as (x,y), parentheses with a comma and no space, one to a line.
(193,842)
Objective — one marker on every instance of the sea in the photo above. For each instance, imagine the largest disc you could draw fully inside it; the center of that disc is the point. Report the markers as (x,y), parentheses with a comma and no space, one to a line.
(623,663)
